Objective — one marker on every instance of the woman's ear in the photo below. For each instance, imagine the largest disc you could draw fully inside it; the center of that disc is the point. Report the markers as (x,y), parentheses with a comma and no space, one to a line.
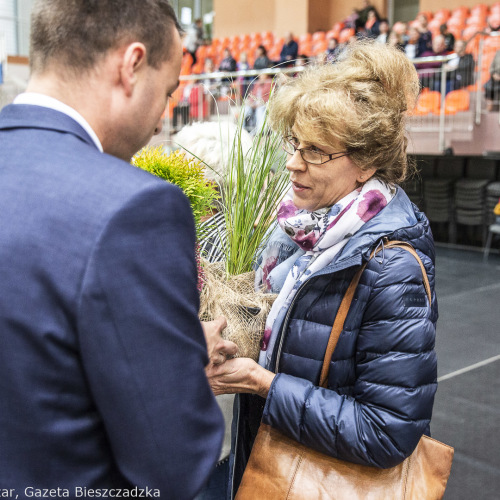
(133,59)
(365,175)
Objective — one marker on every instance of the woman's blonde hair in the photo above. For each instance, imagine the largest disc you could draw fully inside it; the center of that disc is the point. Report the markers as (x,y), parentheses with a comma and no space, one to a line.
(359,103)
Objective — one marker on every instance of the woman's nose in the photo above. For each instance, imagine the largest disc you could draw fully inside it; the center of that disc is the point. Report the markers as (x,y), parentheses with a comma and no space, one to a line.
(295,162)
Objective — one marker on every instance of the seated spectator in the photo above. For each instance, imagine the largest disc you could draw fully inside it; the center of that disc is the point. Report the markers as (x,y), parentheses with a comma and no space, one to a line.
(193,39)
(461,68)
(412,47)
(383,28)
(320,58)
(244,81)
(261,59)
(255,105)
(301,60)
(432,79)
(364,13)
(228,63)
(449,38)
(425,41)
(394,39)
(492,86)
(332,50)
(401,29)
(289,51)
(351,20)
(211,86)
(372,25)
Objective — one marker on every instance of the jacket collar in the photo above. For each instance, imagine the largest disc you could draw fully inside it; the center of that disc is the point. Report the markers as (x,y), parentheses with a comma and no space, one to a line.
(18,116)
(400,220)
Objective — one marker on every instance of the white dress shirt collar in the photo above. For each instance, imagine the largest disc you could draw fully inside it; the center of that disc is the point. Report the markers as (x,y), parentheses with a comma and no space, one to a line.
(35,99)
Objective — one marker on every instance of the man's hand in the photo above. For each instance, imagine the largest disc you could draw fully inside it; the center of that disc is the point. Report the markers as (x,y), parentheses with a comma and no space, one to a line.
(218,348)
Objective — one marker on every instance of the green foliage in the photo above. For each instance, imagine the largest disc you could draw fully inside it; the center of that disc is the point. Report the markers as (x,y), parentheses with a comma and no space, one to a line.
(185,173)
(255,184)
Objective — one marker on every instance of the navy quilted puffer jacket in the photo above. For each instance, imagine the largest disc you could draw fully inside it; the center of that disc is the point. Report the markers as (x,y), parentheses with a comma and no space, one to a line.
(383,372)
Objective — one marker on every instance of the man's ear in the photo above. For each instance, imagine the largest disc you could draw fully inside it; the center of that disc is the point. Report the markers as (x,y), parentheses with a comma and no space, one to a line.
(133,59)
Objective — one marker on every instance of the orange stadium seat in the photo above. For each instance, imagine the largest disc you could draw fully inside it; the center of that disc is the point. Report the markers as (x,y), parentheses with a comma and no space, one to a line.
(479,10)
(455,101)
(469,32)
(332,34)
(428,102)
(345,34)
(318,36)
(491,44)
(462,12)
(306,37)
(494,19)
(456,22)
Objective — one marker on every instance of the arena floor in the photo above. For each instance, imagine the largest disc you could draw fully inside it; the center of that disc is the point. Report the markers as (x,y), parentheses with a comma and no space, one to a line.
(467,407)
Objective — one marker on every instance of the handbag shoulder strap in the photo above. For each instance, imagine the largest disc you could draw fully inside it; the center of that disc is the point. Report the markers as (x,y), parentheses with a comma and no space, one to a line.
(338,324)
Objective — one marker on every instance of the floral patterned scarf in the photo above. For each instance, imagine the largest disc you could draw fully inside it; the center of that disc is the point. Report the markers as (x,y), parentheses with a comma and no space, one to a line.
(321,235)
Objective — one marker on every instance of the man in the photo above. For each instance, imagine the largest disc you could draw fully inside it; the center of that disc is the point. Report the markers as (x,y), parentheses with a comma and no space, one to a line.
(102,382)
(432,79)
(289,50)
(460,69)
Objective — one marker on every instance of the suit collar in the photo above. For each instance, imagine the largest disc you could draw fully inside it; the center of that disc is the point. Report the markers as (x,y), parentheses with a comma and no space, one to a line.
(16,116)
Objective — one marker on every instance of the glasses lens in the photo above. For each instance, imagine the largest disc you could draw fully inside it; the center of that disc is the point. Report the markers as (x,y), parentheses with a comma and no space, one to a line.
(288,147)
(311,156)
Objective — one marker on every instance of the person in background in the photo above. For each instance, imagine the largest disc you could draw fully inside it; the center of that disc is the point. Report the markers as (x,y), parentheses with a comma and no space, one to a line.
(372,25)
(460,69)
(102,364)
(256,103)
(320,58)
(432,79)
(344,131)
(401,29)
(261,59)
(449,38)
(383,28)
(413,47)
(332,50)
(492,86)
(228,62)
(394,40)
(193,39)
(244,81)
(364,13)
(425,40)
(289,51)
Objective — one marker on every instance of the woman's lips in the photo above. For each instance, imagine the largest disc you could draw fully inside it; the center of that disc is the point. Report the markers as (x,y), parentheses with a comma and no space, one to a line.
(298,187)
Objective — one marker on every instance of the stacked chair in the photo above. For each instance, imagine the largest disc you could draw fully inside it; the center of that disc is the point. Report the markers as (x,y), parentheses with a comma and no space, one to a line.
(492,197)
(470,199)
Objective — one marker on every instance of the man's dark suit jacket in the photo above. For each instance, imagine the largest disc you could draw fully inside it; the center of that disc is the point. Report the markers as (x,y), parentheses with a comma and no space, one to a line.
(102,356)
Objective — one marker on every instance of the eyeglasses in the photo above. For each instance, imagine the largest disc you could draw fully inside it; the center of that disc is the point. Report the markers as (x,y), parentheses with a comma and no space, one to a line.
(310,155)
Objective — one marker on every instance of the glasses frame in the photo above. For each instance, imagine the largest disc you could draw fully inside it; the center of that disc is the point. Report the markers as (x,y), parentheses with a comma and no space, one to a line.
(332,156)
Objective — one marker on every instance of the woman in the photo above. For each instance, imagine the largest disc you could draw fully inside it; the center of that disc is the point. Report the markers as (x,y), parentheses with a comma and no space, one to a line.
(261,59)
(344,129)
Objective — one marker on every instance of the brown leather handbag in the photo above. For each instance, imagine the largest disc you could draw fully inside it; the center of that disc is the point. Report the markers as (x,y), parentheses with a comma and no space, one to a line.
(280,468)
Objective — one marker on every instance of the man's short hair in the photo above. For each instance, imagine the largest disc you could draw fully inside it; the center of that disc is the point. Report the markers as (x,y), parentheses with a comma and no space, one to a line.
(77,33)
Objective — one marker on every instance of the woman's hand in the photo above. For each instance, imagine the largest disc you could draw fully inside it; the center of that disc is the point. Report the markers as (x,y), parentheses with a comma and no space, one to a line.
(239,375)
